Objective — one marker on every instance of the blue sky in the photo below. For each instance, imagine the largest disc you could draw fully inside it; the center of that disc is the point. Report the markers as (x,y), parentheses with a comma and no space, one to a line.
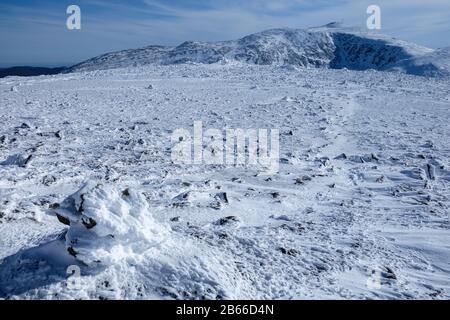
(34,32)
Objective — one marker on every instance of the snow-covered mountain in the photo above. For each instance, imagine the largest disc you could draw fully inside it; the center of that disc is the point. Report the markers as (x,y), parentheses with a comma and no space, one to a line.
(330,46)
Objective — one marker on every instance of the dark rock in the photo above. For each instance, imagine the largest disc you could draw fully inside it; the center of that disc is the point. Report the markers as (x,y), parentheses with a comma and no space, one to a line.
(289,252)
(221,196)
(89,223)
(54,206)
(302,180)
(63,220)
(48,180)
(296,227)
(223,235)
(72,252)
(275,195)
(227,220)
(388,274)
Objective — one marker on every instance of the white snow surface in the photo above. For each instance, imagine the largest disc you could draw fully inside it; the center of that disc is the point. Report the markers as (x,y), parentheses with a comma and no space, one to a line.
(358,210)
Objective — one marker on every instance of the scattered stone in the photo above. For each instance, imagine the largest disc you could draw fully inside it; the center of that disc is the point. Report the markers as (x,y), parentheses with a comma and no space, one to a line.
(302,180)
(221,196)
(222,235)
(181,200)
(364,159)
(388,273)
(281,217)
(54,206)
(296,227)
(17,160)
(48,180)
(62,219)
(275,195)
(430,171)
(289,252)
(227,220)
(342,156)
(72,252)
(428,144)
(89,223)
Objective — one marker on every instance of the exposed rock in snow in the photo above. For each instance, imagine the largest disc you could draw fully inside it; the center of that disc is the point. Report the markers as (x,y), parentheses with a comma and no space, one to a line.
(17,160)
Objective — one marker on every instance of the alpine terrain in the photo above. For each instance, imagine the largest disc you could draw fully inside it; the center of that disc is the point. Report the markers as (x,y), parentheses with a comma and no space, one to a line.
(93,205)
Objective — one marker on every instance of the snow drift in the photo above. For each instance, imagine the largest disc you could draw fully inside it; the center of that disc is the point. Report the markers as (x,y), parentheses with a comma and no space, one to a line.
(107,223)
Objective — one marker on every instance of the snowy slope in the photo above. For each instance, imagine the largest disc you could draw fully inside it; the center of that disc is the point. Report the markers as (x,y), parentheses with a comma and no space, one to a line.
(359,208)
(330,46)
(436,63)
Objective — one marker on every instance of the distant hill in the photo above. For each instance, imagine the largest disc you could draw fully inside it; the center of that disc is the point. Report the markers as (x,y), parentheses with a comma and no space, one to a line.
(329,46)
(26,71)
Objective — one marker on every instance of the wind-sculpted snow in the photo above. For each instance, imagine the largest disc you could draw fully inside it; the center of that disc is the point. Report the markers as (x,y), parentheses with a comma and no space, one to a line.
(357,210)
(330,46)
(105,223)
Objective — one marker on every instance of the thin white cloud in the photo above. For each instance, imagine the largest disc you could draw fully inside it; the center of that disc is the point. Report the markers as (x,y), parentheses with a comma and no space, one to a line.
(39,33)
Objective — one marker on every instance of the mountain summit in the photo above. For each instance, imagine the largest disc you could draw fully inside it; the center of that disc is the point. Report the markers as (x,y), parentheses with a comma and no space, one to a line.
(329,46)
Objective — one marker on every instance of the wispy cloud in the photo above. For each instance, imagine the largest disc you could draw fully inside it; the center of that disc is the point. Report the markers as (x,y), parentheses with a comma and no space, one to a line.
(34,33)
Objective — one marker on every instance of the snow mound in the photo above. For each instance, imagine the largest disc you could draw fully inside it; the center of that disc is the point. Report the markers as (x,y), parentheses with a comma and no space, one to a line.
(107,224)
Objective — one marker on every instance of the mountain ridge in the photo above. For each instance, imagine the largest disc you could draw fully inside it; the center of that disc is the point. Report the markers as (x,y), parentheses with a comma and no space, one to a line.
(28,71)
(329,46)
